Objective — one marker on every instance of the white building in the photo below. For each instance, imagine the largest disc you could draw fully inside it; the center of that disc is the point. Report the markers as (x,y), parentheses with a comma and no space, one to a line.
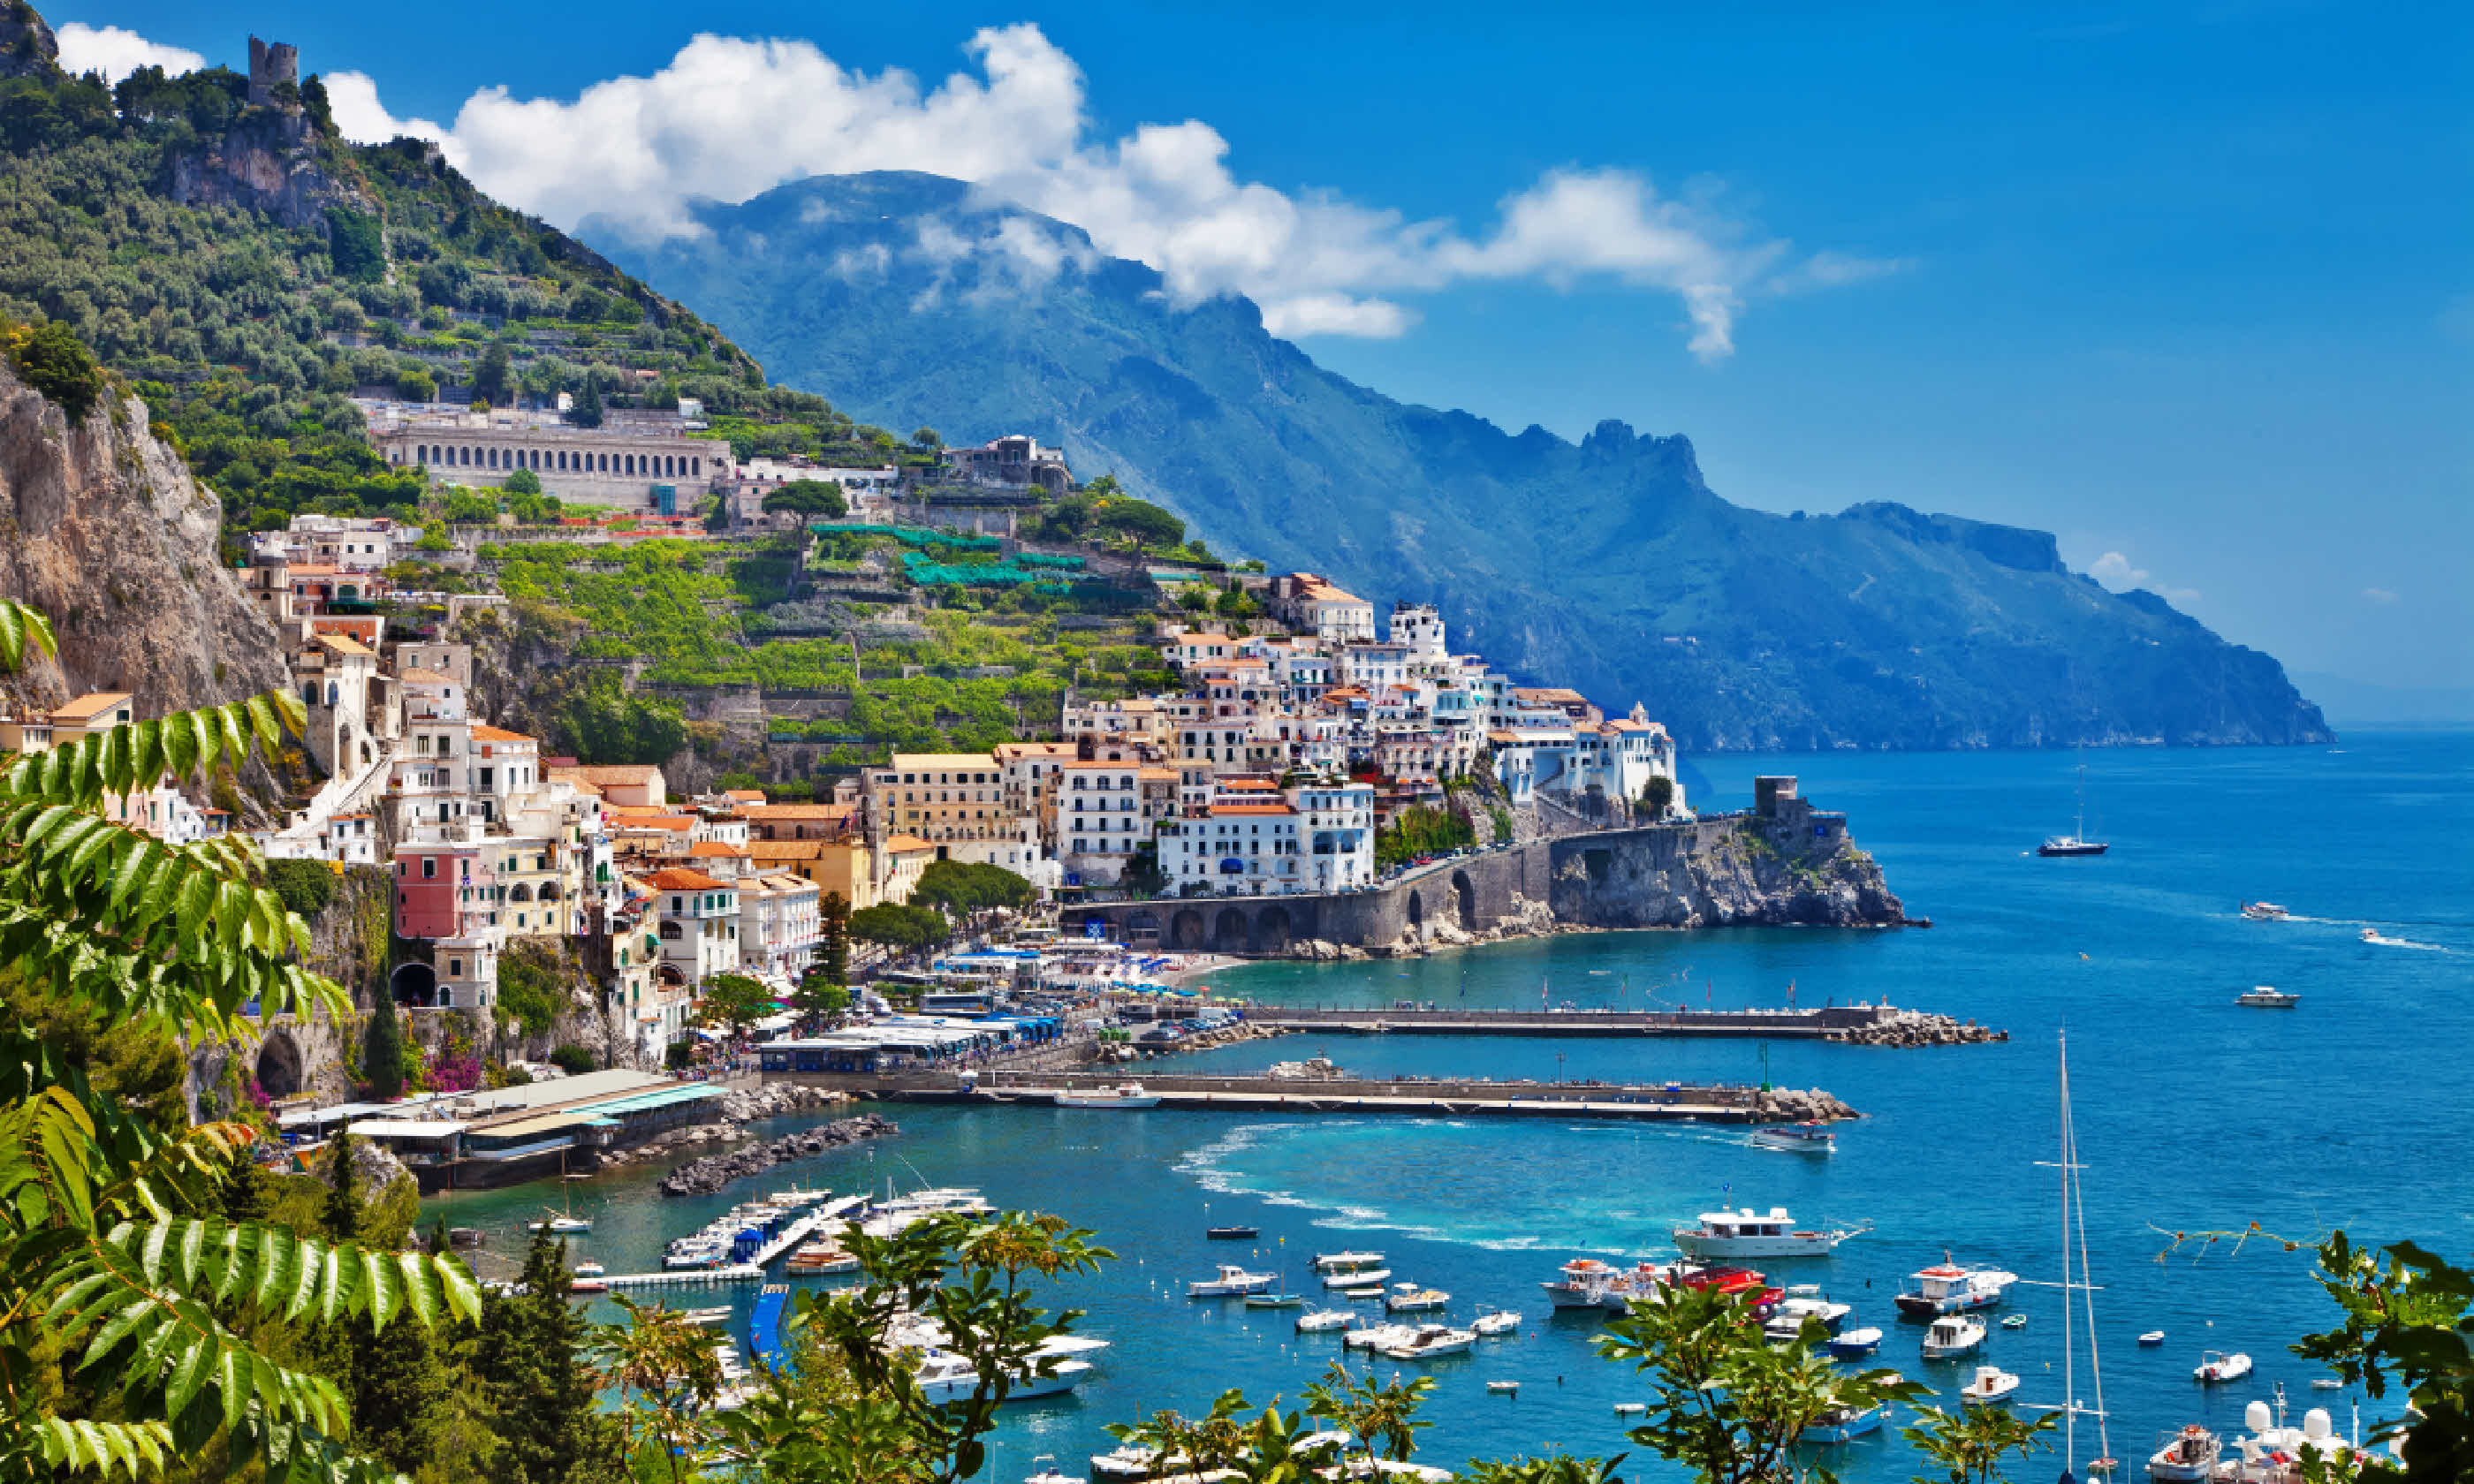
(777,925)
(699,923)
(1098,819)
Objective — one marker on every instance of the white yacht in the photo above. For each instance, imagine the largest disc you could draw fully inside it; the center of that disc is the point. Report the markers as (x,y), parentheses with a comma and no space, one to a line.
(2263,996)
(1947,1288)
(1371,1278)
(1345,1261)
(1501,1320)
(1750,1233)
(1377,1336)
(1410,1298)
(1786,1321)
(1428,1342)
(944,1376)
(2273,1453)
(1231,1281)
(1952,1336)
(2186,1457)
(2215,1369)
(2264,912)
(1126,1094)
(559,1226)
(1321,1321)
(1993,1386)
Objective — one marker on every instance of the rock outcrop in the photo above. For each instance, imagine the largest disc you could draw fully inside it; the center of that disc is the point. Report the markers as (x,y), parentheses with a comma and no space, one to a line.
(738,1106)
(708,1176)
(1917,1028)
(102,528)
(1732,872)
(1794,1105)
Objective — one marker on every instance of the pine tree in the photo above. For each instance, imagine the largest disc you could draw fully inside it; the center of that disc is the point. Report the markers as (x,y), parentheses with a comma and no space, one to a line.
(833,933)
(341,1215)
(531,1360)
(382,1051)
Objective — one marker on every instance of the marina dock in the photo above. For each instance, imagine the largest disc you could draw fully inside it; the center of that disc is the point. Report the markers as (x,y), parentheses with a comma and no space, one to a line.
(1410,1096)
(1787,1024)
(688,1277)
(799,1230)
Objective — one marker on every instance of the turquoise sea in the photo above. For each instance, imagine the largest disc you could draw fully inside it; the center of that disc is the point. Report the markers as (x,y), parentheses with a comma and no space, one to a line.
(2194,1116)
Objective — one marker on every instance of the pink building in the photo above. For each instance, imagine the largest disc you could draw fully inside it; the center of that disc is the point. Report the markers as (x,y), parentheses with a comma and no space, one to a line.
(443,889)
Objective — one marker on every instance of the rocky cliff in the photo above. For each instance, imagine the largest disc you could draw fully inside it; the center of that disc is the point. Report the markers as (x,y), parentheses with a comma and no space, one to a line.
(103,528)
(1733,872)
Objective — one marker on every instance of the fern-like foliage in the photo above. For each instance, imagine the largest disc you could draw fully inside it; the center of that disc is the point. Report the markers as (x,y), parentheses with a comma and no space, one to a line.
(106,1267)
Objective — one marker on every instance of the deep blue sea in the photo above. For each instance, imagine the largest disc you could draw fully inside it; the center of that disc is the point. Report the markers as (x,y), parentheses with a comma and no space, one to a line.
(2194,1116)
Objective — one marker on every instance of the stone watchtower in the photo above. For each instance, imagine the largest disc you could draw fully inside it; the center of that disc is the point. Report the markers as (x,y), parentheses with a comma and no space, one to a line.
(274,63)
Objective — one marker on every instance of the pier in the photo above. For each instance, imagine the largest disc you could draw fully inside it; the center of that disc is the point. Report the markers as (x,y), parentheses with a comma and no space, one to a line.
(1429,1097)
(686,1278)
(1790,1024)
(797,1232)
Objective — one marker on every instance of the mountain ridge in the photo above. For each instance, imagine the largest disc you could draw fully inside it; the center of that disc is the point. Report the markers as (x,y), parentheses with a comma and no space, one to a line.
(913,299)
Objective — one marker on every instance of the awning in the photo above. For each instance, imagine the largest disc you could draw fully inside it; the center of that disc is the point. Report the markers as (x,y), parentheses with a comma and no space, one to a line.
(540,1124)
(407,1128)
(658,1097)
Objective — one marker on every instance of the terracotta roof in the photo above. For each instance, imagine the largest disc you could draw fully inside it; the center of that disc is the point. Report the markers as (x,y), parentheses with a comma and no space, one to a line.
(745,795)
(1252,808)
(1035,750)
(1554,693)
(482,733)
(1152,774)
(609,773)
(679,878)
(907,845)
(709,848)
(787,850)
(672,822)
(788,812)
(344,644)
(312,569)
(416,676)
(89,704)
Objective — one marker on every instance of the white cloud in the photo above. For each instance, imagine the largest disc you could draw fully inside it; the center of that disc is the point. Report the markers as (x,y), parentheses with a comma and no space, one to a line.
(728,118)
(2379,594)
(2114,570)
(117,53)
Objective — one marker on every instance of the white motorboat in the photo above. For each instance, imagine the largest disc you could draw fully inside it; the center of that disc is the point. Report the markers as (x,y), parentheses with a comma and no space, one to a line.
(944,1376)
(2185,1457)
(1749,1233)
(1786,1321)
(1810,1136)
(1127,1464)
(1993,1386)
(1230,1281)
(2263,996)
(560,1226)
(1370,1279)
(708,1318)
(2153,1338)
(2264,912)
(1343,1261)
(1429,1342)
(821,1256)
(1410,1298)
(1051,1474)
(1376,1337)
(2215,1369)
(589,1270)
(1844,1426)
(1504,1388)
(1583,1285)
(1126,1094)
(1952,1336)
(1854,1344)
(1324,1320)
(1947,1288)
(1501,1320)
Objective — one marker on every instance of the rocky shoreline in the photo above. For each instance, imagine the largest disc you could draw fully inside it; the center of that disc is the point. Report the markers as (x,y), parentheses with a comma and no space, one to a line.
(737,1106)
(709,1175)
(1917,1028)
(1796,1105)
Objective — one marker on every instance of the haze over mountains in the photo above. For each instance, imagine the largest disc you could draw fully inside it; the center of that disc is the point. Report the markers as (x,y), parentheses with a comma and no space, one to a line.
(1608,564)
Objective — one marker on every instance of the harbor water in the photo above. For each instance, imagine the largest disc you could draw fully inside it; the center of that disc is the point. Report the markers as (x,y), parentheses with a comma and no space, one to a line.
(2194,1116)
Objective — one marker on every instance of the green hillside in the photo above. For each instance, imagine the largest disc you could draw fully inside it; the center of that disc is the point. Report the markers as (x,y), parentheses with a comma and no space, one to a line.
(1606,563)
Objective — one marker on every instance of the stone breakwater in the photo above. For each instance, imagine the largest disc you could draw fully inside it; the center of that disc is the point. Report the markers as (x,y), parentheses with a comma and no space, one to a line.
(1794,1105)
(1200,1041)
(737,1107)
(1916,1028)
(709,1175)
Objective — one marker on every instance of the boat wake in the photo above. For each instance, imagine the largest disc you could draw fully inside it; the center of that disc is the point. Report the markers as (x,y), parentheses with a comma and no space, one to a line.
(2378,939)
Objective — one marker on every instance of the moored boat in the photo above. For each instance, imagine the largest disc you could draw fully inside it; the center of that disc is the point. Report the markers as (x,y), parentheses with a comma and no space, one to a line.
(1430,1342)
(1274,1301)
(2215,1369)
(1371,1278)
(1323,1321)
(2153,1338)
(1412,1298)
(1502,1321)
(1344,1261)
(1948,1288)
(1844,1424)
(1582,1286)
(1785,1320)
(1126,1094)
(1952,1336)
(1230,1281)
(1854,1344)
(1993,1386)
(1231,1234)
(2185,1457)
(1376,1337)
(1748,1233)
(2263,996)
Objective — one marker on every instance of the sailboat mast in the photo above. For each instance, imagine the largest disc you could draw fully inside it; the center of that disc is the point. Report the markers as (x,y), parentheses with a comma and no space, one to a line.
(2069,1392)
(2087,1285)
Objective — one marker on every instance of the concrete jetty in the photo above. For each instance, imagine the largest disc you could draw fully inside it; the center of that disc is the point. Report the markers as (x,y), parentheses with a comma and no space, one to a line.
(1855,1024)
(1411,1096)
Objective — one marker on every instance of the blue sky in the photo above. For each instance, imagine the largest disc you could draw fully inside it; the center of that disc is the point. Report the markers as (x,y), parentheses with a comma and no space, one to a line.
(2190,286)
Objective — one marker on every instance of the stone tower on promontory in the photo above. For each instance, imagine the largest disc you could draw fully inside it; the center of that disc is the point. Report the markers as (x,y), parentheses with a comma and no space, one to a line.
(274,74)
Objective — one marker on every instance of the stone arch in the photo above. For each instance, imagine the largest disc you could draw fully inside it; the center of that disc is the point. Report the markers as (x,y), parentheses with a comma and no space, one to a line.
(1228,931)
(1185,929)
(1416,910)
(549,891)
(521,893)
(414,984)
(1465,897)
(1273,930)
(278,1065)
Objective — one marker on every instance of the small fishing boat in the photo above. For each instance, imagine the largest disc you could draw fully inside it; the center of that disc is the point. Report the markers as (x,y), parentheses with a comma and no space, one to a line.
(1342,1262)
(1993,1386)
(1747,1234)
(1583,1285)
(2216,1370)
(821,1256)
(1501,1388)
(2185,1457)
(1947,1288)
(1370,1279)
(1501,1320)
(1809,1136)
(1274,1301)
(2014,1321)
(1411,1299)
(1230,1281)
(1844,1426)
(1854,1344)
(2264,997)
(2152,1337)
(1360,1295)
(1324,1319)
(1952,1336)
(1231,1234)
(2264,912)
(560,1226)
(1125,1095)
